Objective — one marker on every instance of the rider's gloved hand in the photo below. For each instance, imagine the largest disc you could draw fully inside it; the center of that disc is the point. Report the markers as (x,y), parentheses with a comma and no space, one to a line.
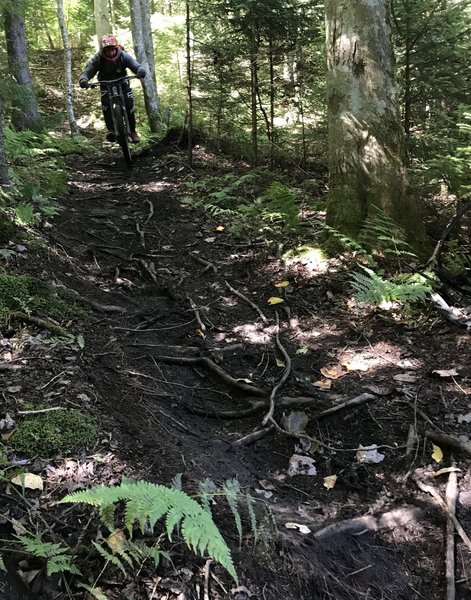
(83,83)
(141,73)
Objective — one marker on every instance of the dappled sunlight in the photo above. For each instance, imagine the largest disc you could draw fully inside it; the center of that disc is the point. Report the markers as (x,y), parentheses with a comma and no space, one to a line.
(310,257)
(255,333)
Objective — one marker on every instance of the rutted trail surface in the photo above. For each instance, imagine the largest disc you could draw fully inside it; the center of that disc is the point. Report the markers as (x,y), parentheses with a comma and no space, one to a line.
(183,351)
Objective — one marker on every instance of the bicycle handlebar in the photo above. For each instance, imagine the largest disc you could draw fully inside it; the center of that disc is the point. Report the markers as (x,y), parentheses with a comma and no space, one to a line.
(110,81)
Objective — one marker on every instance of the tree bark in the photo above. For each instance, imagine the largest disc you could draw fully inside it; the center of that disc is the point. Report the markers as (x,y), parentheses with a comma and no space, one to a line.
(69,87)
(144,50)
(4,179)
(102,18)
(366,138)
(25,107)
(189,76)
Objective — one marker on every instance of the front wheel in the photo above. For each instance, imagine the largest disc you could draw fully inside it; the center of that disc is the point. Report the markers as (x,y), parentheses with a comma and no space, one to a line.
(120,118)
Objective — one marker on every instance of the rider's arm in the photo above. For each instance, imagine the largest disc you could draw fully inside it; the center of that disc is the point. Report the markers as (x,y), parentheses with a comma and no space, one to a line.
(131,63)
(91,68)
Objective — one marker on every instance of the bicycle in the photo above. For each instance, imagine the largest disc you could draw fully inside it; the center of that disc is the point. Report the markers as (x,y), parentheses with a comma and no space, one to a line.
(119,112)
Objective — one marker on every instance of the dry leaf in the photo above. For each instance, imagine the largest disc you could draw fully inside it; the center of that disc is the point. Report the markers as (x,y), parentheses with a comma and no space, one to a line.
(330,481)
(333,371)
(445,373)
(13,389)
(301,465)
(210,240)
(405,378)
(282,284)
(280,363)
(116,541)
(323,384)
(301,528)
(275,300)
(369,454)
(437,453)
(29,481)
(220,228)
(6,435)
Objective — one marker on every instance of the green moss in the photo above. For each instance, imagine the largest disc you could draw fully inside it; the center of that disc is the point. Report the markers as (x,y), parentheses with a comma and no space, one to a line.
(9,232)
(55,432)
(26,294)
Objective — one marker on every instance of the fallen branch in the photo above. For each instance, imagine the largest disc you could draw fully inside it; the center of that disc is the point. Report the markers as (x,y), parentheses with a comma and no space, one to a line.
(269,416)
(253,437)
(40,410)
(455,315)
(212,366)
(249,302)
(43,323)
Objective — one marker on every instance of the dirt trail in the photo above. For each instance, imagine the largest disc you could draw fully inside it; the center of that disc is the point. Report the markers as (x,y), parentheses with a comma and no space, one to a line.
(155,273)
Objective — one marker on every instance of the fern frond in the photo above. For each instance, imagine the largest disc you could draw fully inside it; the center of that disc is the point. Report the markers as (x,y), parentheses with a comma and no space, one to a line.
(95,592)
(373,289)
(148,502)
(231,489)
(207,490)
(55,555)
(111,558)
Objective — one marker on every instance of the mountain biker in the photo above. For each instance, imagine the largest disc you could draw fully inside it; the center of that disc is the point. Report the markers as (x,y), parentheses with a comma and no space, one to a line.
(111,62)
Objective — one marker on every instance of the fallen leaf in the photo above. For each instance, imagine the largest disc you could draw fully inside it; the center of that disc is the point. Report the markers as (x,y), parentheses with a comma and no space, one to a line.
(301,528)
(303,350)
(301,465)
(220,228)
(7,423)
(405,378)
(210,240)
(275,300)
(330,481)
(437,453)
(464,418)
(116,541)
(333,371)
(323,384)
(264,493)
(6,435)
(13,389)
(280,363)
(29,481)
(295,422)
(369,454)
(445,373)
(282,284)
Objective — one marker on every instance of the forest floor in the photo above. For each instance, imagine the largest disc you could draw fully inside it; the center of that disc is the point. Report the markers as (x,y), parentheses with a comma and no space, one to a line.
(178,368)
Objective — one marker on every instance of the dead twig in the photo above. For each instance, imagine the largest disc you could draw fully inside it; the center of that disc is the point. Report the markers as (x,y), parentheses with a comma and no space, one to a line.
(202,326)
(141,233)
(269,416)
(41,410)
(428,489)
(253,437)
(451,495)
(249,302)
(207,571)
(208,265)
(151,210)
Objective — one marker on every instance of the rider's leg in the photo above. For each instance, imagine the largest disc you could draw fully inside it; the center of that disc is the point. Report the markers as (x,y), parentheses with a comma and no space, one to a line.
(129,101)
(106,107)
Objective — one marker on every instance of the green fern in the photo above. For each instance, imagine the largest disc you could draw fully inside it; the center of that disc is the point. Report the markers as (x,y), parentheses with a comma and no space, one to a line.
(231,488)
(57,560)
(381,234)
(207,490)
(146,503)
(373,289)
(281,203)
(350,244)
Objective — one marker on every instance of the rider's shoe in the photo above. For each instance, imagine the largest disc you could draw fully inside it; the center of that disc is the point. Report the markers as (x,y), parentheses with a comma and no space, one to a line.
(110,136)
(135,139)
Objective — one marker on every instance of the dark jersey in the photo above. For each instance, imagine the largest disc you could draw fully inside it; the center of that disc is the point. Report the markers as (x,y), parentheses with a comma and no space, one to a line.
(107,69)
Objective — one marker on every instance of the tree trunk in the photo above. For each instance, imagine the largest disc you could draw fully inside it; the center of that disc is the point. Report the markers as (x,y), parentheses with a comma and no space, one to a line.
(254,91)
(366,139)
(189,83)
(102,18)
(4,179)
(144,49)
(69,87)
(25,107)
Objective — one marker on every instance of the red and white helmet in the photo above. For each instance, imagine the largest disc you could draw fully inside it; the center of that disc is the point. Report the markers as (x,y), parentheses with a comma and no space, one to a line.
(110,47)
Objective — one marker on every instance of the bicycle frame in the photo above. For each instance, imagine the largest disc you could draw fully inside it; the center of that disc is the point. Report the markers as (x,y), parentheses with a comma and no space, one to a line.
(119,113)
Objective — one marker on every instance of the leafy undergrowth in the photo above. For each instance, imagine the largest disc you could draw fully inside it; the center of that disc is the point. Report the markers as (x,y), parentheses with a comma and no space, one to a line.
(212,301)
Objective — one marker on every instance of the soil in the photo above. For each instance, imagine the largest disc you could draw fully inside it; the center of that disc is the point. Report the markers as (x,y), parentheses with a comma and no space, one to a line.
(178,368)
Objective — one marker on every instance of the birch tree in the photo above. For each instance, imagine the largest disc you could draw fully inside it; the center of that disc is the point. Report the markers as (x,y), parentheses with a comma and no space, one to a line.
(69,87)
(102,18)
(366,142)
(25,107)
(144,50)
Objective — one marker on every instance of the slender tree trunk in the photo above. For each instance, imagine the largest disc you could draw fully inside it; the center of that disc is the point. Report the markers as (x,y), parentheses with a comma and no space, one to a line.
(189,76)
(4,179)
(143,47)
(69,87)
(366,138)
(254,91)
(102,18)
(272,100)
(26,112)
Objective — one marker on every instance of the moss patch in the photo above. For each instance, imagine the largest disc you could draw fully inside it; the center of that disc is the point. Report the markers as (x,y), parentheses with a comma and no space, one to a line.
(26,294)
(55,432)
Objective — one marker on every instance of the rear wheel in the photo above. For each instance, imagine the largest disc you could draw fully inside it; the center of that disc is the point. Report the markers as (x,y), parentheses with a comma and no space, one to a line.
(121,126)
